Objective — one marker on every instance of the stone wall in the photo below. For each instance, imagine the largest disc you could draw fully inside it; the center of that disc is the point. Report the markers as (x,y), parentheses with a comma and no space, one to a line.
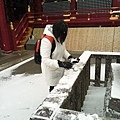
(67,98)
(112,96)
(68,95)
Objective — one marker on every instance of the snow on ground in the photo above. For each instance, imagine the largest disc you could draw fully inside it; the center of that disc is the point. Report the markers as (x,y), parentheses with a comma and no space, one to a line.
(21,94)
(116,81)
(94,101)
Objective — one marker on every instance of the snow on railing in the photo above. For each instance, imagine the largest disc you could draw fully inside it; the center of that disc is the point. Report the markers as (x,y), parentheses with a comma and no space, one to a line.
(67,98)
(69,94)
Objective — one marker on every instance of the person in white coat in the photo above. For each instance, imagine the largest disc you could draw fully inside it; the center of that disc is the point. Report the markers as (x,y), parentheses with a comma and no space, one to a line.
(53,66)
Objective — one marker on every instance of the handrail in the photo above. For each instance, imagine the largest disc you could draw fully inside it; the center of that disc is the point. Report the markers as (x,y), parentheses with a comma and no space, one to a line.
(21,27)
(77,11)
(73,17)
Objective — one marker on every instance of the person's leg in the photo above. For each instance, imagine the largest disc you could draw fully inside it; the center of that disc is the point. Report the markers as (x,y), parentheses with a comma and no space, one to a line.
(51,88)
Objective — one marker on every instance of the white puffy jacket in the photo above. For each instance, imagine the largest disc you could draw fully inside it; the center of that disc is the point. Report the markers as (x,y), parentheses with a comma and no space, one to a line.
(51,71)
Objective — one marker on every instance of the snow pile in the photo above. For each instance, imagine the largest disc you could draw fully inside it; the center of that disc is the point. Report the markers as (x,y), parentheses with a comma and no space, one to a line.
(20,94)
(65,114)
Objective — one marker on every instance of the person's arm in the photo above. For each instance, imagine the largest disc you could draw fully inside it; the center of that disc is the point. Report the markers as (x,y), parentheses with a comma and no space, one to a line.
(45,53)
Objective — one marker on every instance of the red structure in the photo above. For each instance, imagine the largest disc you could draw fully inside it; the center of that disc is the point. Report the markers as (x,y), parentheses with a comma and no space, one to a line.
(13,32)
(5,41)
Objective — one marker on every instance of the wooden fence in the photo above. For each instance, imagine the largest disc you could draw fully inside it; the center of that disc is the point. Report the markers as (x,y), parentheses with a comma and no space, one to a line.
(74,18)
(104,39)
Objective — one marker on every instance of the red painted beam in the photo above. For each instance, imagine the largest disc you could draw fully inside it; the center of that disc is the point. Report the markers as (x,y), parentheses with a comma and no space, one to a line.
(115,3)
(73,5)
(4,29)
(37,5)
(90,17)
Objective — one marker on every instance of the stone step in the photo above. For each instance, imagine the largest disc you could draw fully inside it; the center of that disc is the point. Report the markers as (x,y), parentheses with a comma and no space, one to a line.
(30,45)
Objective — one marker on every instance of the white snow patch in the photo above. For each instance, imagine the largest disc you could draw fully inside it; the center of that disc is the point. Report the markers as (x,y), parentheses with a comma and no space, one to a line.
(116,81)
(20,94)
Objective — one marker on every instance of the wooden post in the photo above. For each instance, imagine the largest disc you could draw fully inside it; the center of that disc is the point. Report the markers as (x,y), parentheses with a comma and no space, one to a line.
(97,71)
(107,70)
(4,29)
(13,37)
(87,75)
(73,5)
(118,60)
(37,5)
(115,3)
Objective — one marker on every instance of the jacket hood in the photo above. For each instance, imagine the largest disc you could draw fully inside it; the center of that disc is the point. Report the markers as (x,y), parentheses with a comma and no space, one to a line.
(48,30)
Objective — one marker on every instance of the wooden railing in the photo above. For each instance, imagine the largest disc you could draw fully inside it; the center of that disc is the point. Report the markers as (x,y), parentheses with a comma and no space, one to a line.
(99,16)
(20,28)
(72,87)
(74,18)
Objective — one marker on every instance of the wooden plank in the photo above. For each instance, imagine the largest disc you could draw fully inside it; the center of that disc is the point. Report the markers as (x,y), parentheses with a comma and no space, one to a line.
(37,32)
(116,40)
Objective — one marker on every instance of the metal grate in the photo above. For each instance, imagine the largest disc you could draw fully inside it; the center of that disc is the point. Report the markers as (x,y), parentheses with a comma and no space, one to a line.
(86,4)
(56,6)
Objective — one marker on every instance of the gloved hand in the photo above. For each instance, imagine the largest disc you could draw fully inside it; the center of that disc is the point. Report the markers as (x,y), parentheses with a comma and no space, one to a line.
(66,65)
(73,59)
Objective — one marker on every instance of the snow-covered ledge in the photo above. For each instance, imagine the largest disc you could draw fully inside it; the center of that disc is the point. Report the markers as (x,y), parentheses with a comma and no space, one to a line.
(67,95)
(112,97)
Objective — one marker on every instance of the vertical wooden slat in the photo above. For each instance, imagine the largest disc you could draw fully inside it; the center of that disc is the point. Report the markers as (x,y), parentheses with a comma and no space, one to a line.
(80,94)
(107,70)
(116,41)
(115,3)
(97,71)
(118,60)
(73,5)
(84,82)
(5,37)
(82,90)
(87,75)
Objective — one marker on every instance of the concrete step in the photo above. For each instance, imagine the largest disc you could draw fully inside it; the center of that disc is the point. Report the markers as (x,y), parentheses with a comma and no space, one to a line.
(30,45)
